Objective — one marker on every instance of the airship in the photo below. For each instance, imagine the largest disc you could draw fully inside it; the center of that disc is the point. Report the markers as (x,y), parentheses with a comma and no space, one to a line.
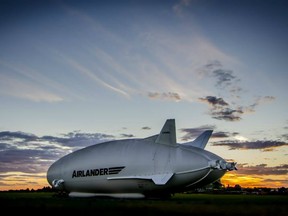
(155,166)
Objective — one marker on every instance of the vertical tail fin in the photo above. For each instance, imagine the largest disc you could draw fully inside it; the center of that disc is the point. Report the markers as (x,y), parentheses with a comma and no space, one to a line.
(167,135)
(201,140)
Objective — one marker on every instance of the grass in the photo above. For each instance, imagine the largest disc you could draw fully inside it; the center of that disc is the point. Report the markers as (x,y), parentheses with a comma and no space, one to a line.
(179,204)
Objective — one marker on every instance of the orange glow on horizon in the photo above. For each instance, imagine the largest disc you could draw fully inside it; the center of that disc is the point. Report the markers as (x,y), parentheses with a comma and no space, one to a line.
(18,181)
(249,181)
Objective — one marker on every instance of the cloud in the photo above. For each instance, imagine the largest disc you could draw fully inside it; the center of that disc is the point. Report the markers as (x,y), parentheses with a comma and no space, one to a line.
(35,77)
(219,109)
(8,135)
(262,169)
(93,76)
(226,80)
(222,110)
(227,114)
(17,180)
(214,101)
(146,128)
(25,157)
(26,83)
(192,133)
(214,64)
(222,134)
(127,135)
(128,65)
(25,160)
(165,95)
(224,77)
(77,139)
(23,89)
(259,144)
(159,63)
(259,101)
(28,153)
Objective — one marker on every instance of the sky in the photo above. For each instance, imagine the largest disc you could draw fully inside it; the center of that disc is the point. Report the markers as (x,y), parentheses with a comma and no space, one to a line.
(77,73)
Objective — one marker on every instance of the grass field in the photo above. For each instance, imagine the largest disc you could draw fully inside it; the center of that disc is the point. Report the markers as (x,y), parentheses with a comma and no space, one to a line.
(179,204)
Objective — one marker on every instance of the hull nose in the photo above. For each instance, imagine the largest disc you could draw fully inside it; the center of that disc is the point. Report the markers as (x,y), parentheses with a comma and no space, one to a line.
(218,168)
(54,176)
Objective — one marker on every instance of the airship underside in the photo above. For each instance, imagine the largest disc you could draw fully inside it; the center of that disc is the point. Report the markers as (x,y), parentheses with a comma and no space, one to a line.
(138,168)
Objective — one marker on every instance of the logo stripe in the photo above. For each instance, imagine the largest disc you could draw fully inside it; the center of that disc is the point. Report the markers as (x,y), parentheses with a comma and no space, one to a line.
(115,170)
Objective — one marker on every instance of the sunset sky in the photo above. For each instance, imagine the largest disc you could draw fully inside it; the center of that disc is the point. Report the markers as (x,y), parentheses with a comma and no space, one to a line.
(76,73)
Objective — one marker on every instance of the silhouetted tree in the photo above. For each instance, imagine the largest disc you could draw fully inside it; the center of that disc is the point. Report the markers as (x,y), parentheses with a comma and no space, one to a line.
(237,187)
(217,185)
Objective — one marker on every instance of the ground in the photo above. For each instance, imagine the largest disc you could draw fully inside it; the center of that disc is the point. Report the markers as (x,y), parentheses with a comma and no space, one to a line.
(179,204)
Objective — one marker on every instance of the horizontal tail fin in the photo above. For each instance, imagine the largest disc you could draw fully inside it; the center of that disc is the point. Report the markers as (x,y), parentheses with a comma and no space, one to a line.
(200,141)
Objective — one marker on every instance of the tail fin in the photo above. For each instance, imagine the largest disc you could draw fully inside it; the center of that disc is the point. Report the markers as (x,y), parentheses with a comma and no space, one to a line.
(201,140)
(167,135)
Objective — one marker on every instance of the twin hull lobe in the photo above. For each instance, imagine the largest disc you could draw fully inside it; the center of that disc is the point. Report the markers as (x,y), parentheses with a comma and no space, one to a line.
(128,166)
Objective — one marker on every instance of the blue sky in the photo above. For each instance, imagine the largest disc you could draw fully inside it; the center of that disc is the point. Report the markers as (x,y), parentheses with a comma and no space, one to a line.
(74,73)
